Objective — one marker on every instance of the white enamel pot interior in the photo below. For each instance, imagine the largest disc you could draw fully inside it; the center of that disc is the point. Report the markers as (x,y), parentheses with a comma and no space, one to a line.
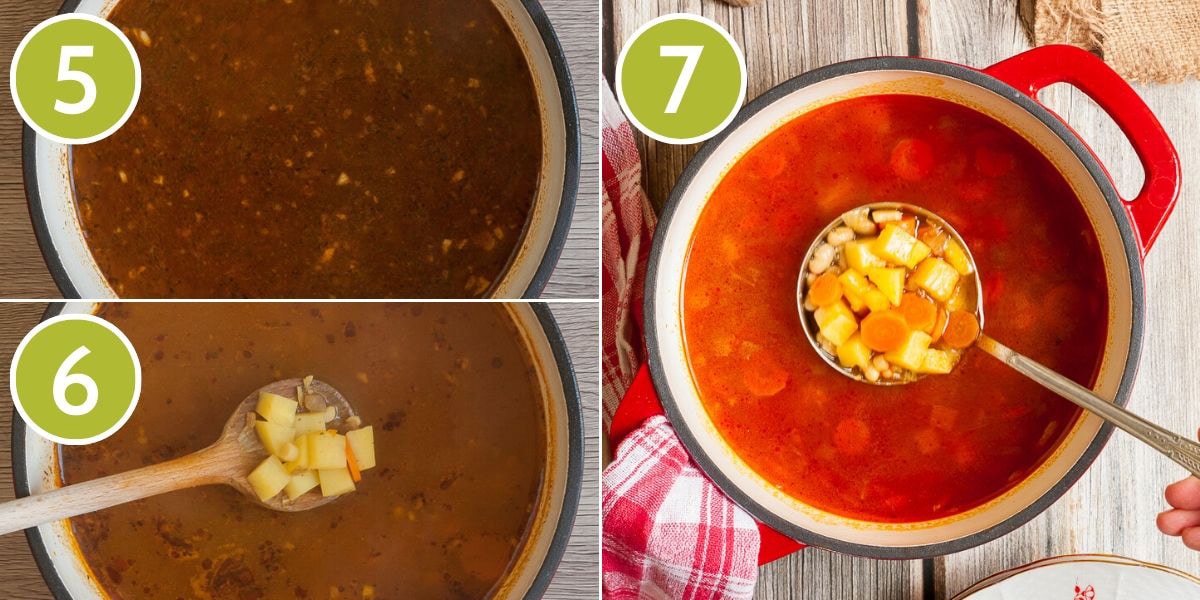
(52,207)
(670,369)
(36,470)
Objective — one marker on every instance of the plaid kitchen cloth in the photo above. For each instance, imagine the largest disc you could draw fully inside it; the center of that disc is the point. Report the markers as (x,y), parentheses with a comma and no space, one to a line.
(668,531)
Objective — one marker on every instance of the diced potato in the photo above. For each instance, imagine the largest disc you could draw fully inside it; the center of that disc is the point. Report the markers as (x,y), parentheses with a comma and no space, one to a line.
(301,461)
(860,257)
(288,452)
(890,282)
(268,478)
(827,314)
(854,288)
(911,354)
(895,245)
(937,277)
(274,437)
(854,353)
(961,299)
(919,252)
(335,482)
(300,484)
(309,422)
(876,300)
(276,408)
(957,257)
(857,303)
(362,444)
(326,450)
(854,281)
(836,322)
(938,362)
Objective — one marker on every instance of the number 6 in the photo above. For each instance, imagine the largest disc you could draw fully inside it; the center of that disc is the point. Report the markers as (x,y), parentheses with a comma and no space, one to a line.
(65,73)
(64,379)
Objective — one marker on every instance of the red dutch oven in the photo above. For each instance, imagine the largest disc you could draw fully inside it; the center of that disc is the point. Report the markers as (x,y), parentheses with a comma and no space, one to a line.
(1125,229)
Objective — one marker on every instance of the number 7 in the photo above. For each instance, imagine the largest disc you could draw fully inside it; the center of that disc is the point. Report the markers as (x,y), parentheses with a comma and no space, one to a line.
(692,56)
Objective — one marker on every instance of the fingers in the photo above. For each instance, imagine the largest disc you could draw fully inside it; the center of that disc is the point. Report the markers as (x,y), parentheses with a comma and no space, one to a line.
(1174,522)
(1184,494)
(1191,538)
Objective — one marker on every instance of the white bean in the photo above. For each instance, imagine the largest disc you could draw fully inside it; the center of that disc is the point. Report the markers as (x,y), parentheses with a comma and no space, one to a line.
(871,373)
(886,216)
(840,235)
(822,258)
(881,363)
(809,278)
(809,306)
(860,221)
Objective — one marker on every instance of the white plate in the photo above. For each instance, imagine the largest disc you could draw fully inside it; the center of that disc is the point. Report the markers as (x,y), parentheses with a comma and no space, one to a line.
(1086,577)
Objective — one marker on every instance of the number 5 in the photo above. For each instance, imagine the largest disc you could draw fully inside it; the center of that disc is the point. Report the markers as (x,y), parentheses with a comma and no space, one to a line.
(66,74)
(692,54)
(64,379)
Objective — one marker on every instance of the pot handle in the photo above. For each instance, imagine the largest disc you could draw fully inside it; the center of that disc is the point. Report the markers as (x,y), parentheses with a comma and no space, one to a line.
(1035,69)
(640,403)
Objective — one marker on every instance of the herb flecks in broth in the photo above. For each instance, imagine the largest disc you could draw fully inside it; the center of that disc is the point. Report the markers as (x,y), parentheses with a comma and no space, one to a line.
(456,409)
(315,149)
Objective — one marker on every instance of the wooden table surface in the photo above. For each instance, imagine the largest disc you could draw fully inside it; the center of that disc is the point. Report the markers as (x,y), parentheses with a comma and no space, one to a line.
(577,576)
(23,274)
(1112,509)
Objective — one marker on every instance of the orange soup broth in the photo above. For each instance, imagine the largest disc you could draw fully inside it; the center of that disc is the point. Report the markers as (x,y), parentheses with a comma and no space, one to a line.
(909,453)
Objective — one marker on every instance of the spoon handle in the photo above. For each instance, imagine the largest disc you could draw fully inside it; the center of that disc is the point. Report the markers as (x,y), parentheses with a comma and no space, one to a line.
(199,468)
(1179,449)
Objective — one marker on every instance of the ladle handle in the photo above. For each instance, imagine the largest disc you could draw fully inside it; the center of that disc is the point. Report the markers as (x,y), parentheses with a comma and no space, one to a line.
(1179,449)
(199,468)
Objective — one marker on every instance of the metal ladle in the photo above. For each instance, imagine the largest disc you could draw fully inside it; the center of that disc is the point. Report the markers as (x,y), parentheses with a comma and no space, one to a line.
(1182,450)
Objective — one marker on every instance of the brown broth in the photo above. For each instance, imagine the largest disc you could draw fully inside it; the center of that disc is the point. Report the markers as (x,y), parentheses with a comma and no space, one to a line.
(456,409)
(315,149)
(924,450)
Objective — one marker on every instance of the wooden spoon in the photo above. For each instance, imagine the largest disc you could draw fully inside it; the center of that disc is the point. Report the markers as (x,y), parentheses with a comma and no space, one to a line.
(226,462)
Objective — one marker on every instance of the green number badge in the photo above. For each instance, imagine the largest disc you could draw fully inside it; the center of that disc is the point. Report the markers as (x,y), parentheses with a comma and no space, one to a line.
(75,78)
(681,79)
(75,379)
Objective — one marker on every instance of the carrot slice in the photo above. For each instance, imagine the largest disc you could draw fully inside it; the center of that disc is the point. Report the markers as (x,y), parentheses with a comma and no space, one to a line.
(763,375)
(852,436)
(919,312)
(939,325)
(352,464)
(912,159)
(825,290)
(884,331)
(961,330)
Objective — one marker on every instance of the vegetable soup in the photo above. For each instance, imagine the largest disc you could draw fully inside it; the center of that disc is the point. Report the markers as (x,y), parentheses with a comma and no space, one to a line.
(938,446)
(455,404)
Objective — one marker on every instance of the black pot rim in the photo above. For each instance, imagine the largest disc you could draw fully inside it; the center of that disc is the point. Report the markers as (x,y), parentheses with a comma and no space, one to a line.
(690,438)
(562,221)
(562,529)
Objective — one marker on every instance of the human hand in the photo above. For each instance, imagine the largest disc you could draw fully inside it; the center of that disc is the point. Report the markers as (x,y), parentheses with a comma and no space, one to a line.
(1183,519)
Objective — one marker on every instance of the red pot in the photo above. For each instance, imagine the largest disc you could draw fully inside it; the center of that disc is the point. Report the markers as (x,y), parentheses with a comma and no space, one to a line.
(1125,230)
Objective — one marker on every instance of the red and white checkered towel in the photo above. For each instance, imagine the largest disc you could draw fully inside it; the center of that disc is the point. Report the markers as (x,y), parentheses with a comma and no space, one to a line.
(668,531)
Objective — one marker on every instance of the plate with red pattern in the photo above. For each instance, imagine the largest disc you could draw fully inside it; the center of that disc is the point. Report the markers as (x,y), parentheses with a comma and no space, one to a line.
(1086,577)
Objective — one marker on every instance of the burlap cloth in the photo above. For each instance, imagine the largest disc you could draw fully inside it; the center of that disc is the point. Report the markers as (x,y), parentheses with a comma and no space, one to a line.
(1144,40)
